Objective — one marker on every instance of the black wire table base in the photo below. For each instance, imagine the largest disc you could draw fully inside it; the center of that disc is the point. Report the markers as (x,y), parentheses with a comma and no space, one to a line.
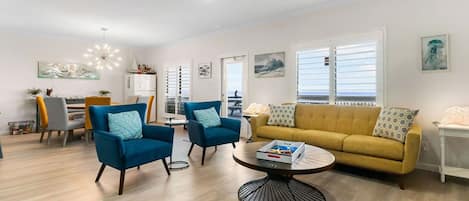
(279,188)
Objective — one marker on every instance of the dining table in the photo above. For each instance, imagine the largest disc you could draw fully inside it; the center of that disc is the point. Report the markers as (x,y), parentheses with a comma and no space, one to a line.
(81,106)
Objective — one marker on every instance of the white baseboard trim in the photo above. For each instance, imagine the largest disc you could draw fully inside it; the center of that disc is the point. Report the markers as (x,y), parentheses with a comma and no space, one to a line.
(428,166)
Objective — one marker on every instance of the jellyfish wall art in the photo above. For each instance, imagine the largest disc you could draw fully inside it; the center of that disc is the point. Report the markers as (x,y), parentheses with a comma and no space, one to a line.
(435,55)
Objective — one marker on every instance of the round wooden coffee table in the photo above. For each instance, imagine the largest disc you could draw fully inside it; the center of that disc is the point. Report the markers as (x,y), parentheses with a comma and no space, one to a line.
(279,184)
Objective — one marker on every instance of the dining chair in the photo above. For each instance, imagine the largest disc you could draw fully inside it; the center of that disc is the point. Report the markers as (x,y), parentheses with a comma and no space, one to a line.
(149,101)
(228,132)
(155,144)
(42,116)
(58,118)
(89,101)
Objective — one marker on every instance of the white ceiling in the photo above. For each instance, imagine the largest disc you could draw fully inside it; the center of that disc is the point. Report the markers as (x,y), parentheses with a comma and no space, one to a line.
(141,22)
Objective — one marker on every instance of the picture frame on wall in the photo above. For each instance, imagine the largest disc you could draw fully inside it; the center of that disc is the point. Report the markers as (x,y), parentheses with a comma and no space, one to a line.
(205,70)
(269,65)
(435,53)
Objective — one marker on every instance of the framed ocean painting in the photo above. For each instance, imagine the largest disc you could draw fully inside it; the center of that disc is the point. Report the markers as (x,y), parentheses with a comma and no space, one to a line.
(435,53)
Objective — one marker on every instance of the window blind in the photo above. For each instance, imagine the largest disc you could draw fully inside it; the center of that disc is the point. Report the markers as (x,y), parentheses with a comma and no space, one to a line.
(313,76)
(171,80)
(178,82)
(356,74)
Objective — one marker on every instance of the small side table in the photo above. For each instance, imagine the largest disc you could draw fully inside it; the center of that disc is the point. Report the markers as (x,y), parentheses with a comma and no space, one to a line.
(176,165)
(451,131)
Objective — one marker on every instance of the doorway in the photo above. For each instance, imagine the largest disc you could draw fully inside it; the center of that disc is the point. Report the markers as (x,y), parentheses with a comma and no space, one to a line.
(233,86)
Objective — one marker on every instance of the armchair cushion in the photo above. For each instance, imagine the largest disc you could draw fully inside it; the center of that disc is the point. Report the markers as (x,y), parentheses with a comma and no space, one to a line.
(125,124)
(219,135)
(208,117)
(140,151)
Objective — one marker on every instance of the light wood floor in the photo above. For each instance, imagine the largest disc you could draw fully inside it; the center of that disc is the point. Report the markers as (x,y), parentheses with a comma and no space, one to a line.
(31,171)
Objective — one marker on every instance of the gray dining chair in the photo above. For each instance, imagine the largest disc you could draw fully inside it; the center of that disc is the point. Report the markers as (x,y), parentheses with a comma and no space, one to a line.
(59,118)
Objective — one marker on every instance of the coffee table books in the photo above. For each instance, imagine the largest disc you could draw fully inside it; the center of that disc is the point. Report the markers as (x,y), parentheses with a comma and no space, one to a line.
(281,151)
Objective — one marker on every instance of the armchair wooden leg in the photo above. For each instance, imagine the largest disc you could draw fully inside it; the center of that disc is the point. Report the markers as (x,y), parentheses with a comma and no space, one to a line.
(234,146)
(65,139)
(216,148)
(42,135)
(203,155)
(166,166)
(190,150)
(58,133)
(121,182)
(101,169)
(138,167)
(49,135)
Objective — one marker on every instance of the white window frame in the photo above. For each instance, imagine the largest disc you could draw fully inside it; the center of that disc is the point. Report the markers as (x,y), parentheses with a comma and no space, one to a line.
(375,36)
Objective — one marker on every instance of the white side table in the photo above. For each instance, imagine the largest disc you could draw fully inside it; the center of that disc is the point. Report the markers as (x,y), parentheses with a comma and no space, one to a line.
(451,131)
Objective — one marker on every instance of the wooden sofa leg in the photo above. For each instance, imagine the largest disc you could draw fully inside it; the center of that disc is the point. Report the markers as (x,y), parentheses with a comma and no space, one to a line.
(203,155)
(234,146)
(190,150)
(100,172)
(401,182)
(121,182)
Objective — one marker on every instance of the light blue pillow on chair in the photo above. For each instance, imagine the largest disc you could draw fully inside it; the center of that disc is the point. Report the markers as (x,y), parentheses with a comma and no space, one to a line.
(208,117)
(126,125)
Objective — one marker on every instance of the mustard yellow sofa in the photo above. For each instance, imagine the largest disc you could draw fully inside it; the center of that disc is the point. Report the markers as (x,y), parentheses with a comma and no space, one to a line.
(347,133)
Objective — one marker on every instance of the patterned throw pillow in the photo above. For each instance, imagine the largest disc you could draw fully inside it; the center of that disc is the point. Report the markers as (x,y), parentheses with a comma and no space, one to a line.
(126,125)
(394,123)
(282,115)
(208,117)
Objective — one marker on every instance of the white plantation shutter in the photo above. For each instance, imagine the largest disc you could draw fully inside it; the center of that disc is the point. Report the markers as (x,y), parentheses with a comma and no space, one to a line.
(313,76)
(184,88)
(341,74)
(178,82)
(356,74)
(171,80)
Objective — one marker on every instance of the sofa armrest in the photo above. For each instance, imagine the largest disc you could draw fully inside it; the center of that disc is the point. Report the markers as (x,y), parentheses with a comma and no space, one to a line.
(158,133)
(257,122)
(232,124)
(411,149)
(109,147)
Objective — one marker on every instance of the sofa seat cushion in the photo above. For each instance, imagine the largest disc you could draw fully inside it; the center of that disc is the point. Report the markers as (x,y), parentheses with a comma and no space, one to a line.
(220,135)
(324,139)
(374,146)
(276,132)
(140,151)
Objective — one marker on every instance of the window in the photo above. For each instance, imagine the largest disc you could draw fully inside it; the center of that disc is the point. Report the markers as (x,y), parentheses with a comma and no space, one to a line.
(340,74)
(178,82)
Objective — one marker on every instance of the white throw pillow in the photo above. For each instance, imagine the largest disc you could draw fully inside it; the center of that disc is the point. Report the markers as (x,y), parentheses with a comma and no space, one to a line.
(394,123)
(282,115)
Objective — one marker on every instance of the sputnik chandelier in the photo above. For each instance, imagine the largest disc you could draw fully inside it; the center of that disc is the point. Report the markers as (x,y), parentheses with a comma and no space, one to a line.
(103,55)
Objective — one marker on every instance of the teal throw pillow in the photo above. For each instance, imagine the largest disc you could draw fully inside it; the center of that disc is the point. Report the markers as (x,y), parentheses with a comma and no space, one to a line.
(126,125)
(208,117)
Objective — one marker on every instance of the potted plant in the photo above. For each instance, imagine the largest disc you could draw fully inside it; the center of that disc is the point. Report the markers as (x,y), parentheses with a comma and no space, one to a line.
(104,92)
(34,92)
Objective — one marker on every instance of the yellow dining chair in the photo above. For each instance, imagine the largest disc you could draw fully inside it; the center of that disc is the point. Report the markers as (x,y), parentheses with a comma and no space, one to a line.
(149,106)
(149,101)
(93,100)
(44,119)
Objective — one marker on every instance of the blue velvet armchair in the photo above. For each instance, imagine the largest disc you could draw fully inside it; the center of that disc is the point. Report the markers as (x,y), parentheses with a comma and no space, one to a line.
(227,133)
(156,144)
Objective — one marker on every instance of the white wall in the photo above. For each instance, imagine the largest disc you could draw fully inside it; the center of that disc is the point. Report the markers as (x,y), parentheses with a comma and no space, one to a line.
(404,21)
(19,54)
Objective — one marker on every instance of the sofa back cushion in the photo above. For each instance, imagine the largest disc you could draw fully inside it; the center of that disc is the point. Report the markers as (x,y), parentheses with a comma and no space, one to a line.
(343,119)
